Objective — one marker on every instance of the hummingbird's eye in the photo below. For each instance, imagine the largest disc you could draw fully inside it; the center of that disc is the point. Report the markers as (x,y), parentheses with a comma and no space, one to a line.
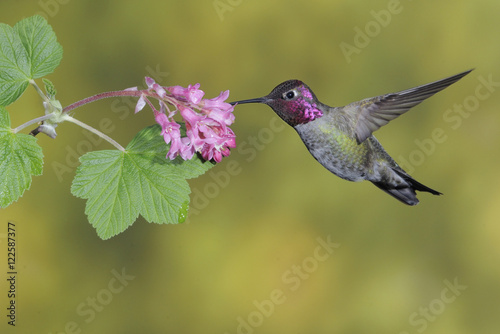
(289,95)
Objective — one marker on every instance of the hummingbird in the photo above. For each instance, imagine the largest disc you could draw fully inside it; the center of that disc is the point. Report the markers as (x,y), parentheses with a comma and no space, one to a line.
(341,138)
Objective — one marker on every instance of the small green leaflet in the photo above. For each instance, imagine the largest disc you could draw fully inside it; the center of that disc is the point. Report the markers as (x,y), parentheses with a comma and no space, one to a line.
(50,89)
(28,51)
(20,159)
(119,185)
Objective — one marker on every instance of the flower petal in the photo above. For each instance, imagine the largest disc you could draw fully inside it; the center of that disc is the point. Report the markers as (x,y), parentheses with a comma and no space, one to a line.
(140,104)
(150,82)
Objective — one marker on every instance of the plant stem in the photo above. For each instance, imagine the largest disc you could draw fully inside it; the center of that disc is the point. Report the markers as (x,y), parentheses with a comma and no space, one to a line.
(135,93)
(39,91)
(95,131)
(33,121)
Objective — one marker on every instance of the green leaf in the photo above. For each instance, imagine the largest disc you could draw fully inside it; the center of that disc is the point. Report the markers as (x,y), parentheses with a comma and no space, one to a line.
(27,51)
(20,158)
(119,186)
(100,179)
(40,42)
(161,191)
(14,66)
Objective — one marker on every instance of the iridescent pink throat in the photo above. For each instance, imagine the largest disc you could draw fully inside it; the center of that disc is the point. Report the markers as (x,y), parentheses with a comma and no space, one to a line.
(305,110)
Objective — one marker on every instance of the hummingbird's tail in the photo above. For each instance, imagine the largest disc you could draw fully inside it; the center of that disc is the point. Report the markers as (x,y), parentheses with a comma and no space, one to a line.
(405,193)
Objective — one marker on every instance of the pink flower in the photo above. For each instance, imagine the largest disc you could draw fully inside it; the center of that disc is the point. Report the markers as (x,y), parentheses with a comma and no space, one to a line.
(208,135)
(219,110)
(192,93)
(152,85)
(169,130)
(171,134)
(207,130)
(219,145)
(218,102)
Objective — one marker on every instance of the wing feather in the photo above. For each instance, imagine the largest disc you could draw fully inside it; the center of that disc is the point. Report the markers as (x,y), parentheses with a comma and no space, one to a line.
(376,112)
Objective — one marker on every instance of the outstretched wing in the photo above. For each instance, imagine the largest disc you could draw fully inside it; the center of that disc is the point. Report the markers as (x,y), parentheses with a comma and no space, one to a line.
(376,112)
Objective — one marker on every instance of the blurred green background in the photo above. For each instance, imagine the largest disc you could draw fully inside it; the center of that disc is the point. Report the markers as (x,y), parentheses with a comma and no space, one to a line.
(245,260)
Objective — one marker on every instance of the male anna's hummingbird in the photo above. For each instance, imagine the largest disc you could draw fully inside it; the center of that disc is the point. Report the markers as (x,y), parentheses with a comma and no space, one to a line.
(340,138)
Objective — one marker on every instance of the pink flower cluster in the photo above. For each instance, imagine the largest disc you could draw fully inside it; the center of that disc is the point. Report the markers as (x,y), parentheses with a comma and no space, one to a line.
(207,121)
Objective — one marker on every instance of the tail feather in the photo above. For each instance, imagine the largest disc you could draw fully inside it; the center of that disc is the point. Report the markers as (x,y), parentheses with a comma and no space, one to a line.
(406,193)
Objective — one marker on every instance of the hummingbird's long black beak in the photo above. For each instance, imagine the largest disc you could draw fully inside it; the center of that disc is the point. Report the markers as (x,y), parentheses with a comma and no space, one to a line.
(257,100)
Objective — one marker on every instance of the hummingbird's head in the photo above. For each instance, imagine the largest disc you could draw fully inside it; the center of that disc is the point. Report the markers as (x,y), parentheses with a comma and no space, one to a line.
(291,100)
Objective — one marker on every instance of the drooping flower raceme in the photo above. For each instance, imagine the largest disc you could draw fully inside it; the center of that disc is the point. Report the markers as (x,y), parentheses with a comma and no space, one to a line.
(207,120)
